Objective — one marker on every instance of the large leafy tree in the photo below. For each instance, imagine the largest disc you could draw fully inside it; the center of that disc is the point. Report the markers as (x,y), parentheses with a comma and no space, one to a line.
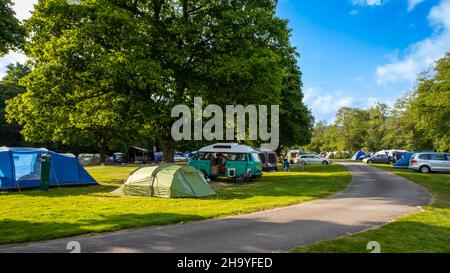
(11,31)
(296,120)
(401,130)
(113,69)
(354,124)
(9,88)
(376,127)
(431,106)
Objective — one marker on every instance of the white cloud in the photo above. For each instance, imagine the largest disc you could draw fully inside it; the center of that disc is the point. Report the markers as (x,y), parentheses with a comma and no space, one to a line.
(23,8)
(420,55)
(413,3)
(324,107)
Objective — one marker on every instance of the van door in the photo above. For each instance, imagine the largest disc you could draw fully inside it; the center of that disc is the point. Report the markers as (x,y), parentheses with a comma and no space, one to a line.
(236,163)
(202,161)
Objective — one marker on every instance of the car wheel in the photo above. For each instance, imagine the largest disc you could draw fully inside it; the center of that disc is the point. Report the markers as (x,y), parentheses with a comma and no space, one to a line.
(390,162)
(424,169)
(369,161)
(324,163)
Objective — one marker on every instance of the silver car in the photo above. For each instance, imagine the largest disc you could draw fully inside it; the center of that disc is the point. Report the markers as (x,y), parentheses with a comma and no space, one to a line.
(314,159)
(430,162)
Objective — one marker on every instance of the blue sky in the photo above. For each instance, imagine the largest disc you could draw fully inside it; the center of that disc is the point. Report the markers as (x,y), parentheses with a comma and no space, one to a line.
(353,52)
(356,53)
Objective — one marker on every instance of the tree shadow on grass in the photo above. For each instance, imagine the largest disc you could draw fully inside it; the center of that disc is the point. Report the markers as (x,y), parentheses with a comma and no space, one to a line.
(56,191)
(14,231)
(260,235)
(288,184)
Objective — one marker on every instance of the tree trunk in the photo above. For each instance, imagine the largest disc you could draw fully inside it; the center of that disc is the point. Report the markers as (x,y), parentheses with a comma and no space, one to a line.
(103,149)
(168,148)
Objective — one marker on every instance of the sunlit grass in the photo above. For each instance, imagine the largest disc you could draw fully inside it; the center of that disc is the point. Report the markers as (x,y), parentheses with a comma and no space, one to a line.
(426,231)
(35,215)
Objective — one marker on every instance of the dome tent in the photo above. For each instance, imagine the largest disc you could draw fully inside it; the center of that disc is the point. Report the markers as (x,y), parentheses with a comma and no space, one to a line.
(21,168)
(167,180)
(404,160)
(358,155)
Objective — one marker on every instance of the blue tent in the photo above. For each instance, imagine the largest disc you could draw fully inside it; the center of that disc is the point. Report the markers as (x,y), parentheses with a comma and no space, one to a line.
(21,168)
(404,160)
(358,155)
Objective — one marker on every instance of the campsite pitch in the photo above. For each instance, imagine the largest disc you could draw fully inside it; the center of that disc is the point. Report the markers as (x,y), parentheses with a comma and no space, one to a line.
(61,212)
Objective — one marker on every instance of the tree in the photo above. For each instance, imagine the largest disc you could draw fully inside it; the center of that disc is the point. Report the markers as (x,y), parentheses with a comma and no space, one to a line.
(318,138)
(376,127)
(11,31)
(118,67)
(431,106)
(353,122)
(401,131)
(296,120)
(9,88)
(14,72)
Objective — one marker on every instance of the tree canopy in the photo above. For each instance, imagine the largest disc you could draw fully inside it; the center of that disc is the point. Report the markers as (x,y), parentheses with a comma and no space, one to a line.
(111,70)
(11,30)
(9,88)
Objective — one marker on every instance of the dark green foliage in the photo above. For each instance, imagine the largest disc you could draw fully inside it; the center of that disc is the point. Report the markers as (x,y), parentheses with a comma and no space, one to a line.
(11,31)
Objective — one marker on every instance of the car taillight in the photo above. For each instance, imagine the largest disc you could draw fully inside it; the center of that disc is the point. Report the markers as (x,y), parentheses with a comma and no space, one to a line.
(413,161)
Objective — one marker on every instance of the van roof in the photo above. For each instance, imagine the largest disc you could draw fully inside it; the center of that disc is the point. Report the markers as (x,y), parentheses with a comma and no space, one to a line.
(227,148)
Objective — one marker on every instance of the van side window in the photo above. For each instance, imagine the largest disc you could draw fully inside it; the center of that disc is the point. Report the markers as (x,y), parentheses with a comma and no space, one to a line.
(438,157)
(424,156)
(203,156)
(236,157)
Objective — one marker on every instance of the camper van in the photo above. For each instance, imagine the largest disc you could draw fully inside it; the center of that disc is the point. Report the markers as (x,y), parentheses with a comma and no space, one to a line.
(293,156)
(238,162)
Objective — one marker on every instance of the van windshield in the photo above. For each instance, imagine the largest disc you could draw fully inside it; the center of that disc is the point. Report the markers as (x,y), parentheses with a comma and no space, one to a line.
(256,157)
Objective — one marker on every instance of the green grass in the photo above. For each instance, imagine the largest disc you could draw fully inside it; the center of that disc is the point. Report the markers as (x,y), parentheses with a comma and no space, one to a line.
(426,231)
(61,212)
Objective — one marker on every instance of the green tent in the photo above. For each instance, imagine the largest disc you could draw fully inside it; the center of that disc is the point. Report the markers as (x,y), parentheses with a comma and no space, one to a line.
(166,181)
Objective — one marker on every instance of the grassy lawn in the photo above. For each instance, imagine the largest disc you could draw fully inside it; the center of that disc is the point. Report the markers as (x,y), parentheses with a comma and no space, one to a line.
(426,231)
(35,215)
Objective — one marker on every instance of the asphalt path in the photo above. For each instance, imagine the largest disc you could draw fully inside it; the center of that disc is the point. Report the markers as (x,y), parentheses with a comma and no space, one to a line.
(374,197)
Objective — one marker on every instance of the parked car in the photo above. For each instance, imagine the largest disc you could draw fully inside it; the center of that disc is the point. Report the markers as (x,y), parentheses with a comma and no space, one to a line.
(314,159)
(379,158)
(364,156)
(179,158)
(430,162)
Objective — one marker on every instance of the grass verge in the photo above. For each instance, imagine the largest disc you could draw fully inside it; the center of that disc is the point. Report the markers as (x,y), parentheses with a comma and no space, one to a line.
(426,231)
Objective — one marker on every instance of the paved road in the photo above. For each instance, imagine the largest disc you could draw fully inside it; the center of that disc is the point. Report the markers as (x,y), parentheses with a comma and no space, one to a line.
(375,197)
